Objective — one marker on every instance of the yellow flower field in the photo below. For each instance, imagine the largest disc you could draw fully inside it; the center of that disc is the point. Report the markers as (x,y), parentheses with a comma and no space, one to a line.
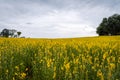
(95,58)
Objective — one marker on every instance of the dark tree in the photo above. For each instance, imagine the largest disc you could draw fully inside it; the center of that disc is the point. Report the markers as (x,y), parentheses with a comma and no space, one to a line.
(0,34)
(8,32)
(109,26)
(102,29)
(5,33)
(19,33)
(12,32)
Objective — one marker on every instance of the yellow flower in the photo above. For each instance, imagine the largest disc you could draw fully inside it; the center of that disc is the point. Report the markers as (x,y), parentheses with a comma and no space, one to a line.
(119,60)
(7,71)
(49,62)
(23,75)
(77,61)
(26,69)
(13,78)
(54,69)
(16,73)
(17,68)
(99,73)
(62,68)
(67,66)
(112,58)
(93,67)
(21,63)
(112,66)
(105,55)
(54,75)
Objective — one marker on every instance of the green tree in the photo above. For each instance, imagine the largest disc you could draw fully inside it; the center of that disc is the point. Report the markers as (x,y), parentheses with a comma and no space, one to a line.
(19,33)
(5,33)
(12,32)
(109,26)
(102,29)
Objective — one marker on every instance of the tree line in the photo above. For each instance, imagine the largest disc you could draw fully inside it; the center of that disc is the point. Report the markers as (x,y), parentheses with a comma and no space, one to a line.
(109,26)
(10,33)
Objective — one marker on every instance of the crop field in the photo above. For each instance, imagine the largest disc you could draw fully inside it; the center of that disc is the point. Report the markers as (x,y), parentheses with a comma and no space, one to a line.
(94,58)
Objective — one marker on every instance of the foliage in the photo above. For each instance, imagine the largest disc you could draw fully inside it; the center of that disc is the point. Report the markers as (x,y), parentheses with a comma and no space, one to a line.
(95,58)
(18,33)
(9,33)
(109,26)
(5,33)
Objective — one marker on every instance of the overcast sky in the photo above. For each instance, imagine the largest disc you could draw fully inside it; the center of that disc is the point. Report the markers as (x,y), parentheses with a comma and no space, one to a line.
(56,18)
